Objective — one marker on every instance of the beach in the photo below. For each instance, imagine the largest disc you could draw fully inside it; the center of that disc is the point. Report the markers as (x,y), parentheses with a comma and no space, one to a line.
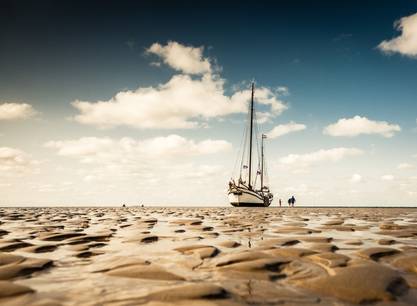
(208,256)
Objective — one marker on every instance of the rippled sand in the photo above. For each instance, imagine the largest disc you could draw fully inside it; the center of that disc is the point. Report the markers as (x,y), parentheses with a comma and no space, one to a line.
(208,256)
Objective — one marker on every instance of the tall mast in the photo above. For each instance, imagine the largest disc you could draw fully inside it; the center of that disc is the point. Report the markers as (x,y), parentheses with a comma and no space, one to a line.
(250,135)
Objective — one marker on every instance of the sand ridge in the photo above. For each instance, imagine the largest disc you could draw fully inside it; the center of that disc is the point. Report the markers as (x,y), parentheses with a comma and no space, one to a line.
(208,256)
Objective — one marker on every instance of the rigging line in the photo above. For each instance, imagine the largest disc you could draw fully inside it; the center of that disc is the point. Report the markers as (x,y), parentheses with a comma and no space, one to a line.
(239,155)
(266,177)
(242,158)
(245,142)
(257,140)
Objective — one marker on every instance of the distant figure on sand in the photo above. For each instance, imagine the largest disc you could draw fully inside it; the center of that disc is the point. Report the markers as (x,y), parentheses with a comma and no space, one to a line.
(291,201)
(280,202)
(124,205)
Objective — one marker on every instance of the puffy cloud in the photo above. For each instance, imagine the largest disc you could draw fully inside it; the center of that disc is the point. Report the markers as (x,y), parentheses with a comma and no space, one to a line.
(93,149)
(284,129)
(406,43)
(85,146)
(332,155)
(263,96)
(13,111)
(387,177)
(356,178)
(181,102)
(358,125)
(405,166)
(187,59)
(14,160)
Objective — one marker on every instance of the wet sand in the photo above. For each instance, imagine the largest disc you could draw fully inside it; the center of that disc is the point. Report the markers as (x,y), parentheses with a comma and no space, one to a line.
(208,256)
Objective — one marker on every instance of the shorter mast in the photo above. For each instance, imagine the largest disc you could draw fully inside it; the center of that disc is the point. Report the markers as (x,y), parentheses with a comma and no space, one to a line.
(262,161)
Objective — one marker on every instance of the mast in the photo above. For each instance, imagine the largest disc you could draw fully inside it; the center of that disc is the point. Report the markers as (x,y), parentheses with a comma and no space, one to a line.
(250,135)
(262,161)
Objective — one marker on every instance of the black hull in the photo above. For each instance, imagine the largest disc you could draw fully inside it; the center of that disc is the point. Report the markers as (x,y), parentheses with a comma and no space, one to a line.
(248,205)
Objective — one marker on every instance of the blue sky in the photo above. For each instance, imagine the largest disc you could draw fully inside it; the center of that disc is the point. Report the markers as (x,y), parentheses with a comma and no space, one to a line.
(327,58)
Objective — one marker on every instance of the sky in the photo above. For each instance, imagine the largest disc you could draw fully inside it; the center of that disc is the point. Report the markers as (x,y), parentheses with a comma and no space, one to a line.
(111,102)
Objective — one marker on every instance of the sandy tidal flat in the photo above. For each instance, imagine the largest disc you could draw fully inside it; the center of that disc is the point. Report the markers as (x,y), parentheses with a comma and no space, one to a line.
(208,256)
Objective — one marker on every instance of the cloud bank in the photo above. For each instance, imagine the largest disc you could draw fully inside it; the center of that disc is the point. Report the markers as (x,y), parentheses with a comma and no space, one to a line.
(184,101)
(150,160)
(406,43)
(93,149)
(14,111)
(329,155)
(351,127)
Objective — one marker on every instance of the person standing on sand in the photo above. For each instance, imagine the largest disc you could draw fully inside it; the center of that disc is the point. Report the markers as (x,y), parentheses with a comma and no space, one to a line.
(289,202)
(292,201)
(280,202)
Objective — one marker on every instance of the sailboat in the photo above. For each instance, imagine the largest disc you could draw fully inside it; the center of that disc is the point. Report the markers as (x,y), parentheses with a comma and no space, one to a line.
(250,188)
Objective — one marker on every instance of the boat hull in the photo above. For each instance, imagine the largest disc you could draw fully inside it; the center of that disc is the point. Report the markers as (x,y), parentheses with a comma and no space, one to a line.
(240,197)
(247,204)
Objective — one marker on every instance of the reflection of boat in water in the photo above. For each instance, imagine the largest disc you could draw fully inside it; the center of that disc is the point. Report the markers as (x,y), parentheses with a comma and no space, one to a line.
(246,192)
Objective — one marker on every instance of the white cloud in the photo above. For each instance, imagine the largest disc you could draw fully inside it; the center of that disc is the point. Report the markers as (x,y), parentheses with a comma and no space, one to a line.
(263,117)
(406,43)
(14,111)
(186,59)
(284,129)
(330,155)
(86,146)
(405,166)
(361,125)
(283,90)
(14,160)
(93,149)
(182,102)
(387,177)
(356,178)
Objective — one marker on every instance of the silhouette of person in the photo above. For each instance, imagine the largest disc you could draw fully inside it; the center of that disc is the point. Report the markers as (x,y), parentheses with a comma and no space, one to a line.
(280,202)
(292,201)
